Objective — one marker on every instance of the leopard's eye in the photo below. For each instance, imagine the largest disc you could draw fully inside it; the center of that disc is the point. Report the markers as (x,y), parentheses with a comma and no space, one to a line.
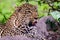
(27,11)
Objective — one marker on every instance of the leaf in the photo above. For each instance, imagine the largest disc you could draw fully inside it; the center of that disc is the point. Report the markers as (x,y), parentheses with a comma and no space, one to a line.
(56,15)
(1,17)
(39,3)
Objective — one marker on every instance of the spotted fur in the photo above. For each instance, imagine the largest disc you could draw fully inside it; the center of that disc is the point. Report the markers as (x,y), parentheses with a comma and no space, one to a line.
(18,22)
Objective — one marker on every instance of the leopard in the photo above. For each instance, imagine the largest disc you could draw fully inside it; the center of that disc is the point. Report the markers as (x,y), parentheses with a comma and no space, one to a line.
(21,20)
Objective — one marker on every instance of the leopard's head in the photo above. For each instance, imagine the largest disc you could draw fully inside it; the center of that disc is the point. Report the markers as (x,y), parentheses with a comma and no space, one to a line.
(29,12)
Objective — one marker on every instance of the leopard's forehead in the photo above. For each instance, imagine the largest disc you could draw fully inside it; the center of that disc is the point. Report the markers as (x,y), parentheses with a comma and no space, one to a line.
(26,7)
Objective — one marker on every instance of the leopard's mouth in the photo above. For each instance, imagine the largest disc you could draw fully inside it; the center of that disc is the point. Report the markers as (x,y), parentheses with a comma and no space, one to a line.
(32,23)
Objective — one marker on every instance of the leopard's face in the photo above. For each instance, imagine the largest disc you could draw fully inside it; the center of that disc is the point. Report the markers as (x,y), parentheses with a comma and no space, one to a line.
(27,12)
(33,18)
(31,15)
